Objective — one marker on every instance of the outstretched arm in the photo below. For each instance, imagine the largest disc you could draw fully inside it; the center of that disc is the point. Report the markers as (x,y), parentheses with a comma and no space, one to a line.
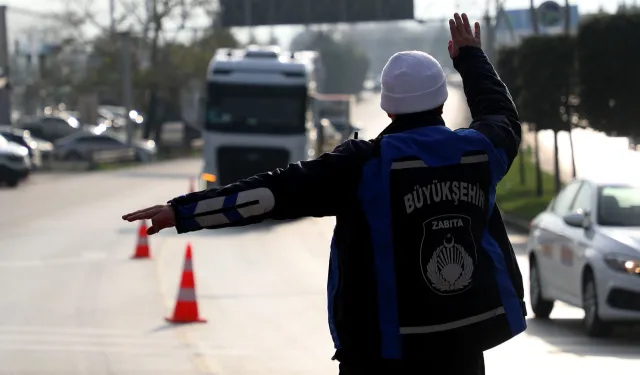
(319,187)
(493,111)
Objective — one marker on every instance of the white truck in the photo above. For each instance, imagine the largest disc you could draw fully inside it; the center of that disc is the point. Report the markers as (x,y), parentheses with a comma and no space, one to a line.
(257,115)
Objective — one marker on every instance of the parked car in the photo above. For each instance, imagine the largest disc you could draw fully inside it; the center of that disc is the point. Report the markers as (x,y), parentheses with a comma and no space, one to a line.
(50,128)
(45,148)
(15,164)
(83,146)
(584,250)
(23,138)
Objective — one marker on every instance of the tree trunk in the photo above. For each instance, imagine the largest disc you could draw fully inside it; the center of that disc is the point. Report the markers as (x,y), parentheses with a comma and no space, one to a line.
(556,163)
(151,125)
(539,187)
(574,172)
(523,155)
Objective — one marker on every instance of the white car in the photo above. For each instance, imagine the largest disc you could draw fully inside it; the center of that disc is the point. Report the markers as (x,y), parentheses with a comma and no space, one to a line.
(15,164)
(584,250)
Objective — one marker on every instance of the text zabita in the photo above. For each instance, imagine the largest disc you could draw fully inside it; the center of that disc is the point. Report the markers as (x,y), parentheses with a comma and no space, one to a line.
(446,224)
(444,191)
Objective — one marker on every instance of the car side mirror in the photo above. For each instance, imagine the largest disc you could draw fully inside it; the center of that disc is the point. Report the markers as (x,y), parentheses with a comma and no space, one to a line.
(579,219)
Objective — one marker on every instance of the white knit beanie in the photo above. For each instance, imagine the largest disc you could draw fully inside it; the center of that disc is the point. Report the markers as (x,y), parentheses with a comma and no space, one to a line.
(412,81)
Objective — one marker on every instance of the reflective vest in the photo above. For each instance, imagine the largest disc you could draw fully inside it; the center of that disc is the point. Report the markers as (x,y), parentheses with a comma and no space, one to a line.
(442,280)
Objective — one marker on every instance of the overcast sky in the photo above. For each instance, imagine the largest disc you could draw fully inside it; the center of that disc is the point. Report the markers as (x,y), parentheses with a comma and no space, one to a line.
(18,23)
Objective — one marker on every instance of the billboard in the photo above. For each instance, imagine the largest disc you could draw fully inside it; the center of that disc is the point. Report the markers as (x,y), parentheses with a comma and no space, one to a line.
(518,23)
(236,13)
(550,21)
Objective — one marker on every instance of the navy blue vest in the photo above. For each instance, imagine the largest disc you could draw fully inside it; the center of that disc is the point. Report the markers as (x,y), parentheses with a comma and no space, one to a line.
(442,280)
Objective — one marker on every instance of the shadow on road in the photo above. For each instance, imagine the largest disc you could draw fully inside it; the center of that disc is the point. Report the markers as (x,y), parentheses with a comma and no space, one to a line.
(169,327)
(567,335)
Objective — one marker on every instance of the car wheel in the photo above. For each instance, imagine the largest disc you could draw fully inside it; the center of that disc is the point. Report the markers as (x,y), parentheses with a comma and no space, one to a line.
(593,325)
(541,307)
(13,182)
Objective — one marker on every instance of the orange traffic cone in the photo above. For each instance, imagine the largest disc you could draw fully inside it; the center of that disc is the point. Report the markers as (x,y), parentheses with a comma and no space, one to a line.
(186,310)
(142,248)
(191,185)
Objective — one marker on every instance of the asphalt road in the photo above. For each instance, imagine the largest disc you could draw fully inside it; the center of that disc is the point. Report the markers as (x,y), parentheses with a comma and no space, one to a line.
(74,303)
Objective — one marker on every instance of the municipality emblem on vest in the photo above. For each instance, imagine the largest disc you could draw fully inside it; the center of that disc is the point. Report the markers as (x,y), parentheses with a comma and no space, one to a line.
(447,265)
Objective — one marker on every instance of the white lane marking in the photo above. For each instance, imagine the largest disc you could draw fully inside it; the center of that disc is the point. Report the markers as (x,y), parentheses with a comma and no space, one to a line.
(86,257)
(87,340)
(33,338)
(12,346)
(71,330)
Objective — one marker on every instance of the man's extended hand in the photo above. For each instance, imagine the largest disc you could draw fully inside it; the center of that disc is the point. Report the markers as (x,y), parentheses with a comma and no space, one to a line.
(161,217)
(462,35)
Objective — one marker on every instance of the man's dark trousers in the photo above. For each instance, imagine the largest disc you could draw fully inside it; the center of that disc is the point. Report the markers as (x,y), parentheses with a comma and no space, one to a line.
(455,365)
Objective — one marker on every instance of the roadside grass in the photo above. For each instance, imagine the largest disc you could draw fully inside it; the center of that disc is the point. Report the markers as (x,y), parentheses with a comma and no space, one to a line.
(519,199)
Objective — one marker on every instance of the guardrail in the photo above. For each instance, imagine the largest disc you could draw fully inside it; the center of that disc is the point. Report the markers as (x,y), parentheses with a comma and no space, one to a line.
(96,159)
(113,156)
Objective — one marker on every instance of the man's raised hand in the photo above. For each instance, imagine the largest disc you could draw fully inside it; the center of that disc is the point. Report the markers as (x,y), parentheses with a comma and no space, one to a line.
(462,35)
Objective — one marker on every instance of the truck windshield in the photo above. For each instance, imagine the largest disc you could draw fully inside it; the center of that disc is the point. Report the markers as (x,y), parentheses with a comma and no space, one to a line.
(256,109)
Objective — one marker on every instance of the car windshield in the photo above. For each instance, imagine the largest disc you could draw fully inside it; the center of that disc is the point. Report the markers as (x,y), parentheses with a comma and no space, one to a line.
(619,206)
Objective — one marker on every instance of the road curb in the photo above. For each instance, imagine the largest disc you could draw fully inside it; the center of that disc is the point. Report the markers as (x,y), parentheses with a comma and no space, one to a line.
(515,222)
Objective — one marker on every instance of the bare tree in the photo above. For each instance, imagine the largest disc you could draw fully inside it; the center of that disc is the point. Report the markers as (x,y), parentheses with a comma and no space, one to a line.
(161,11)
(157,22)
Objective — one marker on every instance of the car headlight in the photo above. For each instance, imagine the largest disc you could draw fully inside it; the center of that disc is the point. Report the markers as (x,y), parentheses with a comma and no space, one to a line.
(623,263)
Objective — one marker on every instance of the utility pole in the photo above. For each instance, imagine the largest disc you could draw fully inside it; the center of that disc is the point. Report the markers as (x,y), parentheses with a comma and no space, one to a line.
(272,34)
(567,17)
(5,95)
(127,89)
(536,146)
(112,16)
(489,42)
(248,11)
(568,103)
(534,18)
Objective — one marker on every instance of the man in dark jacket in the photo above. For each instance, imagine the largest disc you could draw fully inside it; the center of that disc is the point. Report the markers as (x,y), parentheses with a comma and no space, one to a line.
(422,276)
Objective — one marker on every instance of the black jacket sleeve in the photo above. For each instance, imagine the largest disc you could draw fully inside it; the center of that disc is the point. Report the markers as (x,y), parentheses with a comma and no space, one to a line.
(320,187)
(493,111)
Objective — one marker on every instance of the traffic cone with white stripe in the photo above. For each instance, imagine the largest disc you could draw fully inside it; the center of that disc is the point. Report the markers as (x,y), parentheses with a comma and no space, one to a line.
(142,248)
(186,310)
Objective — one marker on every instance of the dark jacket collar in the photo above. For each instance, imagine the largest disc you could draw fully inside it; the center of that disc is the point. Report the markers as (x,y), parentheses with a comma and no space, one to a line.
(412,121)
